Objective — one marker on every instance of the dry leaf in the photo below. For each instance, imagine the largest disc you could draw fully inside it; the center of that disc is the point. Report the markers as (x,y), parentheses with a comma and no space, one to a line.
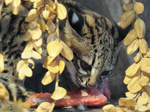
(53,69)
(130,95)
(32,15)
(133,70)
(143,99)
(1,62)
(36,55)
(42,25)
(46,12)
(61,11)
(29,52)
(15,6)
(127,102)
(45,107)
(48,78)
(147,55)
(132,47)
(148,106)
(126,80)
(145,65)
(19,65)
(109,108)
(61,66)
(54,48)
(141,108)
(143,81)
(38,43)
(38,4)
(39,50)
(67,52)
(59,93)
(127,18)
(35,33)
(139,26)
(131,36)
(134,86)
(7,2)
(138,57)
(48,60)
(143,47)
(24,71)
(139,7)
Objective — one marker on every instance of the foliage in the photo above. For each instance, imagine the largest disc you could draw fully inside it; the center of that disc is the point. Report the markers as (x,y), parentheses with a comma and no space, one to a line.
(137,75)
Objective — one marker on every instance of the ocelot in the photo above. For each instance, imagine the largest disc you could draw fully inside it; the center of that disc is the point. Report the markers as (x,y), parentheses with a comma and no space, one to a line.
(91,36)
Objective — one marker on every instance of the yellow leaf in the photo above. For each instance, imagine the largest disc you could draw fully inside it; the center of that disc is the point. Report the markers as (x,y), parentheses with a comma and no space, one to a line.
(61,66)
(143,99)
(48,60)
(133,70)
(38,43)
(67,52)
(35,55)
(48,78)
(42,25)
(61,11)
(25,71)
(126,80)
(7,2)
(131,36)
(141,108)
(53,69)
(127,18)
(147,55)
(38,4)
(145,65)
(35,33)
(139,7)
(59,93)
(134,85)
(46,12)
(138,57)
(127,102)
(143,81)
(139,26)
(143,47)
(15,6)
(130,95)
(39,50)
(132,47)
(20,65)
(45,107)
(32,15)
(109,108)
(54,48)
(1,62)
(27,52)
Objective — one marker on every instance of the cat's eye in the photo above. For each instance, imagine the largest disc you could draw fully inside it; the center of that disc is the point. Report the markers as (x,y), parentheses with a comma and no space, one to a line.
(76,20)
